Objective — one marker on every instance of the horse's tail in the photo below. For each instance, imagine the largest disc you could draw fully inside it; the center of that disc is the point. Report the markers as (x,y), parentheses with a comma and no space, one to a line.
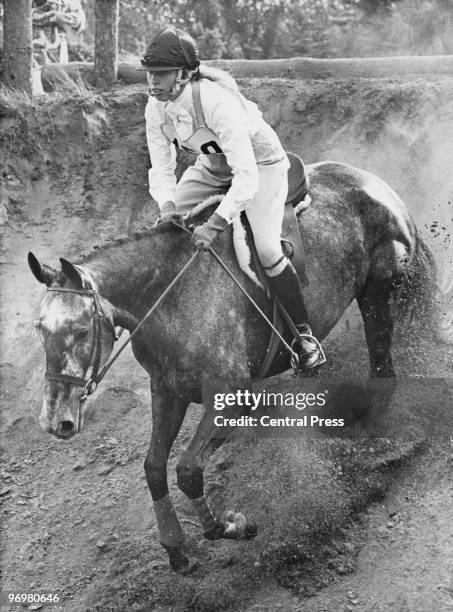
(417,298)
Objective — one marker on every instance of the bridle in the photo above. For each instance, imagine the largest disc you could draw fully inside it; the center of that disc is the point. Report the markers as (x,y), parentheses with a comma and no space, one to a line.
(99,318)
(97,372)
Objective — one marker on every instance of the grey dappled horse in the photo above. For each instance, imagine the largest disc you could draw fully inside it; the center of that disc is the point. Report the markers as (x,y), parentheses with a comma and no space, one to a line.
(361,243)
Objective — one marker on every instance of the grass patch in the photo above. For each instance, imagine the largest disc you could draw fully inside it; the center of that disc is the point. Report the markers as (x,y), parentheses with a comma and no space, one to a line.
(15,103)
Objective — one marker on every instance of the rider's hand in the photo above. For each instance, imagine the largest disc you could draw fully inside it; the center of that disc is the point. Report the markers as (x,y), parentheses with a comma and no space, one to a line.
(63,21)
(204,235)
(169,214)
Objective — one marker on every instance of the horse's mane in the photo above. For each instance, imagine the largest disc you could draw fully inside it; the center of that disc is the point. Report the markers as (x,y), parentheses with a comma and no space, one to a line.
(198,212)
(111,243)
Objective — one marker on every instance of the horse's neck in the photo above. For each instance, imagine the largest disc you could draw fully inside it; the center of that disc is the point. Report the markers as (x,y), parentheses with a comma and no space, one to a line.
(123,272)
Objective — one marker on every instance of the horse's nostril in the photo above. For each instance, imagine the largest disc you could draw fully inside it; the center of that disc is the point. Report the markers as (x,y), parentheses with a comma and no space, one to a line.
(66,427)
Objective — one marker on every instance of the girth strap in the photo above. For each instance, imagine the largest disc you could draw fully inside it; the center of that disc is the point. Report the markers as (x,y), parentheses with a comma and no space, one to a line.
(66,378)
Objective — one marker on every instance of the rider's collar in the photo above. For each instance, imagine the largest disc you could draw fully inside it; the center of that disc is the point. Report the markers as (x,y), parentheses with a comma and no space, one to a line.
(182,100)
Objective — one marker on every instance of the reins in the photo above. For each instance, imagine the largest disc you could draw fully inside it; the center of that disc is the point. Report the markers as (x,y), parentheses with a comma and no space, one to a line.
(89,384)
(97,374)
(216,256)
(112,360)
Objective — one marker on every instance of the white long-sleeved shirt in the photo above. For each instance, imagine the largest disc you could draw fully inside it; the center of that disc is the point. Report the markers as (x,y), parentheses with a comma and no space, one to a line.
(233,120)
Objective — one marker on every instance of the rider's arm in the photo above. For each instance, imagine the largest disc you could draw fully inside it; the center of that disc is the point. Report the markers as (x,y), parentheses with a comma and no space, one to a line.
(161,176)
(227,118)
(42,18)
(71,15)
(74,10)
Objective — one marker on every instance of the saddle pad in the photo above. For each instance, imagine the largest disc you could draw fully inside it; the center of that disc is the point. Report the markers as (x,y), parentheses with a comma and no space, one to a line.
(243,239)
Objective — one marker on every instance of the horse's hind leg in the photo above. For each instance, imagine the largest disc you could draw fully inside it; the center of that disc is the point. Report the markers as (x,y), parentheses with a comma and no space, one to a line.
(207,439)
(378,322)
(377,305)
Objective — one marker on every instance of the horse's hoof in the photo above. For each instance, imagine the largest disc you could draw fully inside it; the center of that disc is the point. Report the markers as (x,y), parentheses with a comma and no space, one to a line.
(179,562)
(187,569)
(236,527)
(251,529)
(233,526)
(215,533)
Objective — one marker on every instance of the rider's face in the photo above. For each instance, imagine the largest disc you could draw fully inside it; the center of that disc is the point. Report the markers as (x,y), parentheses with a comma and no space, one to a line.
(161,83)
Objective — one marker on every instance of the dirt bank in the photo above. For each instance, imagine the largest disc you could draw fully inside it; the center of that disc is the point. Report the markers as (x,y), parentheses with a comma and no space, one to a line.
(299,68)
(77,516)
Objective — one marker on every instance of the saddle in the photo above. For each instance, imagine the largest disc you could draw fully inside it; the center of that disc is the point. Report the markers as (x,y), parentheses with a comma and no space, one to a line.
(297,180)
(296,201)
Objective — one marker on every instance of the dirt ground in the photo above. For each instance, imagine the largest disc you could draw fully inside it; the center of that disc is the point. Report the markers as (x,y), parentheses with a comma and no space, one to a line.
(355,524)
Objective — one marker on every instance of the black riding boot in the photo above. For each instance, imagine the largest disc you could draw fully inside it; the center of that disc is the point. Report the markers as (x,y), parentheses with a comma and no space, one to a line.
(286,287)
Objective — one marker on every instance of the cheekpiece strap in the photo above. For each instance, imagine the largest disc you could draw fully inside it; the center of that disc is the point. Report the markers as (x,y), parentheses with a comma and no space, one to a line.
(68,290)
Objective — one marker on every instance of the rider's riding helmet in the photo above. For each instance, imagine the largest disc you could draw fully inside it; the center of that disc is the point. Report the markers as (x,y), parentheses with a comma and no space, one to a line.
(171,49)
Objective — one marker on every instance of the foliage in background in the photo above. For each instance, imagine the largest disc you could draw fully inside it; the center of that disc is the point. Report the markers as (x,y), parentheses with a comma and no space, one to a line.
(260,29)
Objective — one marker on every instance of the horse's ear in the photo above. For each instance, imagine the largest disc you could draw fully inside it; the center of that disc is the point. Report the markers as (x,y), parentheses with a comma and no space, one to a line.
(71,272)
(44,274)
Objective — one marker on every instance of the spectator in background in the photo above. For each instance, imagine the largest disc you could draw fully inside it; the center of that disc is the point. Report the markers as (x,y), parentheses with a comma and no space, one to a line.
(52,21)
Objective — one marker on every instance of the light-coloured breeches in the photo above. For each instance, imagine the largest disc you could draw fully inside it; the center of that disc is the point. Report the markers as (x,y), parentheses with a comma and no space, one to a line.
(264,212)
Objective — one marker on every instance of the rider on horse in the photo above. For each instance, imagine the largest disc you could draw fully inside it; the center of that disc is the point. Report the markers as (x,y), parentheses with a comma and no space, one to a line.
(201,110)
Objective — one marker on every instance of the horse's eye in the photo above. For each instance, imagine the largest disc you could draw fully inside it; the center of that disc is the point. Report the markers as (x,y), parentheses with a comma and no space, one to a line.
(81,334)
(39,329)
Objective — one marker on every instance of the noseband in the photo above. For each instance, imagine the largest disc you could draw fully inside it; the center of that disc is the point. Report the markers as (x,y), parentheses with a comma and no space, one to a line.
(88,384)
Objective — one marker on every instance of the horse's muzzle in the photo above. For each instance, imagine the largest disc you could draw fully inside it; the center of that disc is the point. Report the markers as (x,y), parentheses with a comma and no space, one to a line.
(62,426)
(65,430)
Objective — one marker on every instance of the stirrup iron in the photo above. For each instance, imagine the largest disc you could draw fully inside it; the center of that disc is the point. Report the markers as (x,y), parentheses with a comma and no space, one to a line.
(295,360)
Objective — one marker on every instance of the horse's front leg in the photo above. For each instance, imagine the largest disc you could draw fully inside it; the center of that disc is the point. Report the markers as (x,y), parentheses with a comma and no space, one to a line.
(168,412)
(207,439)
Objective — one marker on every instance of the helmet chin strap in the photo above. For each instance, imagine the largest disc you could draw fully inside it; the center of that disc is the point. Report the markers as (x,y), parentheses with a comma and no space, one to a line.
(177,84)
(179,81)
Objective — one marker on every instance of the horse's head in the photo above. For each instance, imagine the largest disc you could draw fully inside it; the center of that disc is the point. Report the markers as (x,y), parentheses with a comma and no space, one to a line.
(444,307)
(77,331)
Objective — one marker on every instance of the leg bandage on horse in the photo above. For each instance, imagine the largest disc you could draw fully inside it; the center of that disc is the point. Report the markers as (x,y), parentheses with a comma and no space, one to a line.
(170,531)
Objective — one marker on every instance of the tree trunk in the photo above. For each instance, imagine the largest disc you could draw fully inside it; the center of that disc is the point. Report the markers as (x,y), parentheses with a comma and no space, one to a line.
(106,43)
(294,68)
(17,44)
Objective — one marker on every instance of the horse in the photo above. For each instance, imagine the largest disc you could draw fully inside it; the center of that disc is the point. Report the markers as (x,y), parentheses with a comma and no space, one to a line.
(361,244)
